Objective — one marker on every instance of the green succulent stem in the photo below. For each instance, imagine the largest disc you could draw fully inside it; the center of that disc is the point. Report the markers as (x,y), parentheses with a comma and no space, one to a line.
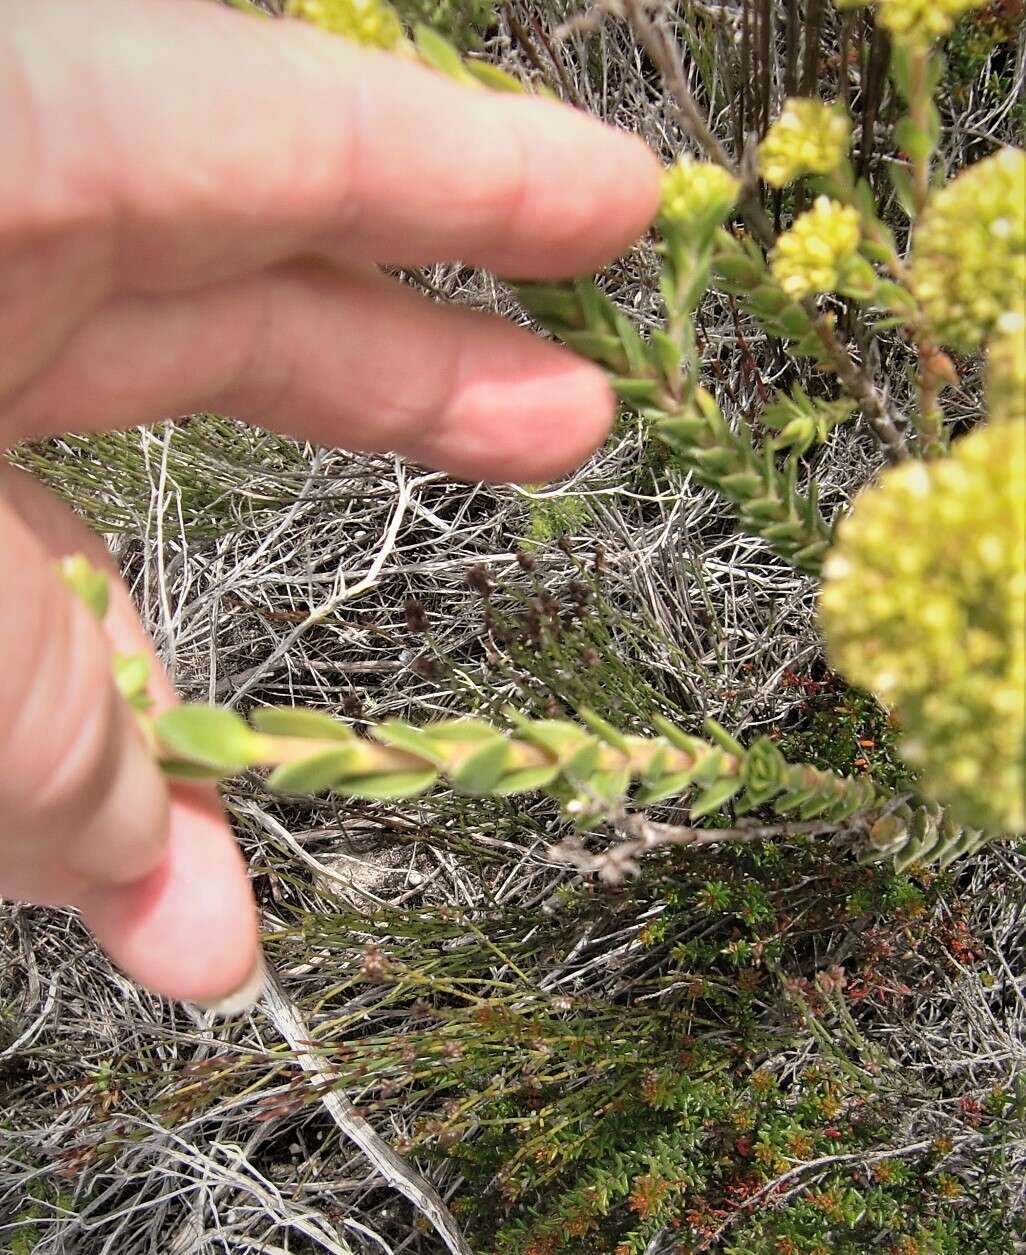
(590,767)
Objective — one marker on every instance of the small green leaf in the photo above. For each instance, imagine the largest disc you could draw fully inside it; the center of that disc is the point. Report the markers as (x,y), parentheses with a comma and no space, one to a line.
(599,312)
(783,531)
(792,800)
(716,462)
(809,557)
(208,736)
(742,485)
(418,741)
(709,767)
(714,797)
(391,786)
(723,739)
(909,854)
(815,807)
(308,724)
(600,346)
(480,771)
(605,730)
(894,297)
(965,843)
(668,786)
(610,786)
(131,676)
(491,76)
(556,736)
(904,188)
(766,509)
(631,390)
(681,430)
(678,738)
(88,584)
(313,774)
(438,53)
(583,761)
(526,780)
(550,303)
(633,345)
(794,321)
(913,139)
(899,68)
(750,800)
(875,252)
(667,353)
(655,767)
(179,770)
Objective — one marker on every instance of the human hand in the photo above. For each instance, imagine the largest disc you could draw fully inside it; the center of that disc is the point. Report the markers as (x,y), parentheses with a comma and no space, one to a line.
(192,204)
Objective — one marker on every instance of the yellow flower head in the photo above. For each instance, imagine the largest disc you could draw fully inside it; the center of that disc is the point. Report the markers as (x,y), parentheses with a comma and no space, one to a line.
(812,256)
(924,604)
(917,22)
(969,252)
(1006,368)
(373,23)
(809,137)
(697,195)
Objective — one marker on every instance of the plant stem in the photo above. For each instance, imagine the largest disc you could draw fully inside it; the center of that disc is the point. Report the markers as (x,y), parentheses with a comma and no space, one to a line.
(667,57)
(919,104)
(857,383)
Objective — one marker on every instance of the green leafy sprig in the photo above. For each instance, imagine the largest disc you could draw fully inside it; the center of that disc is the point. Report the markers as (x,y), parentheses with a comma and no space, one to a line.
(646,375)
(590,768)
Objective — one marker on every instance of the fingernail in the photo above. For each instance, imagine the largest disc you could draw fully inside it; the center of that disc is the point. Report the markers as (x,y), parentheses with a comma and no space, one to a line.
(245,997)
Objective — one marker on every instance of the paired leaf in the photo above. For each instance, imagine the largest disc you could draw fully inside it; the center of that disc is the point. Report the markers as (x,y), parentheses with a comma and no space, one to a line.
(482,770)
(320,771)
(526,780)
(308,724)
(390,786)
(715,796)
(210,737)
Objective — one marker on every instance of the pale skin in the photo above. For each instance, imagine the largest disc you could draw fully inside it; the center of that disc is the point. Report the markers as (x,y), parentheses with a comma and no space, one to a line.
(193,204)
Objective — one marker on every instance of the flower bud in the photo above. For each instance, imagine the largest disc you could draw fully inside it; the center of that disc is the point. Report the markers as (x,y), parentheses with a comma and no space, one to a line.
(814,255)
(809,137)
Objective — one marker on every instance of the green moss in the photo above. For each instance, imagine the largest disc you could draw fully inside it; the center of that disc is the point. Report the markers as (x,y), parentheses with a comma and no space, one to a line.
(552,518)
(24,1234)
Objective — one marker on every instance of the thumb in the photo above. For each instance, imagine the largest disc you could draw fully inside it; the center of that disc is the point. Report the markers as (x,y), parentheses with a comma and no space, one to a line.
(85,817)
(83,803)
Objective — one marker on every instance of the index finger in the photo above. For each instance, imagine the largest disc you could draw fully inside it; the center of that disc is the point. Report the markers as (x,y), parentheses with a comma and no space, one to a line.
(211,143)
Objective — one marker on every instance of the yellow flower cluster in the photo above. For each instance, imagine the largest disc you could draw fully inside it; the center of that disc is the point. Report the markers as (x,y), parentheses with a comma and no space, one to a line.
(1006,369)
(969,252)
(697,195)
(812,256)
(372,23)
(924,604)
(918,22)
(809,137)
